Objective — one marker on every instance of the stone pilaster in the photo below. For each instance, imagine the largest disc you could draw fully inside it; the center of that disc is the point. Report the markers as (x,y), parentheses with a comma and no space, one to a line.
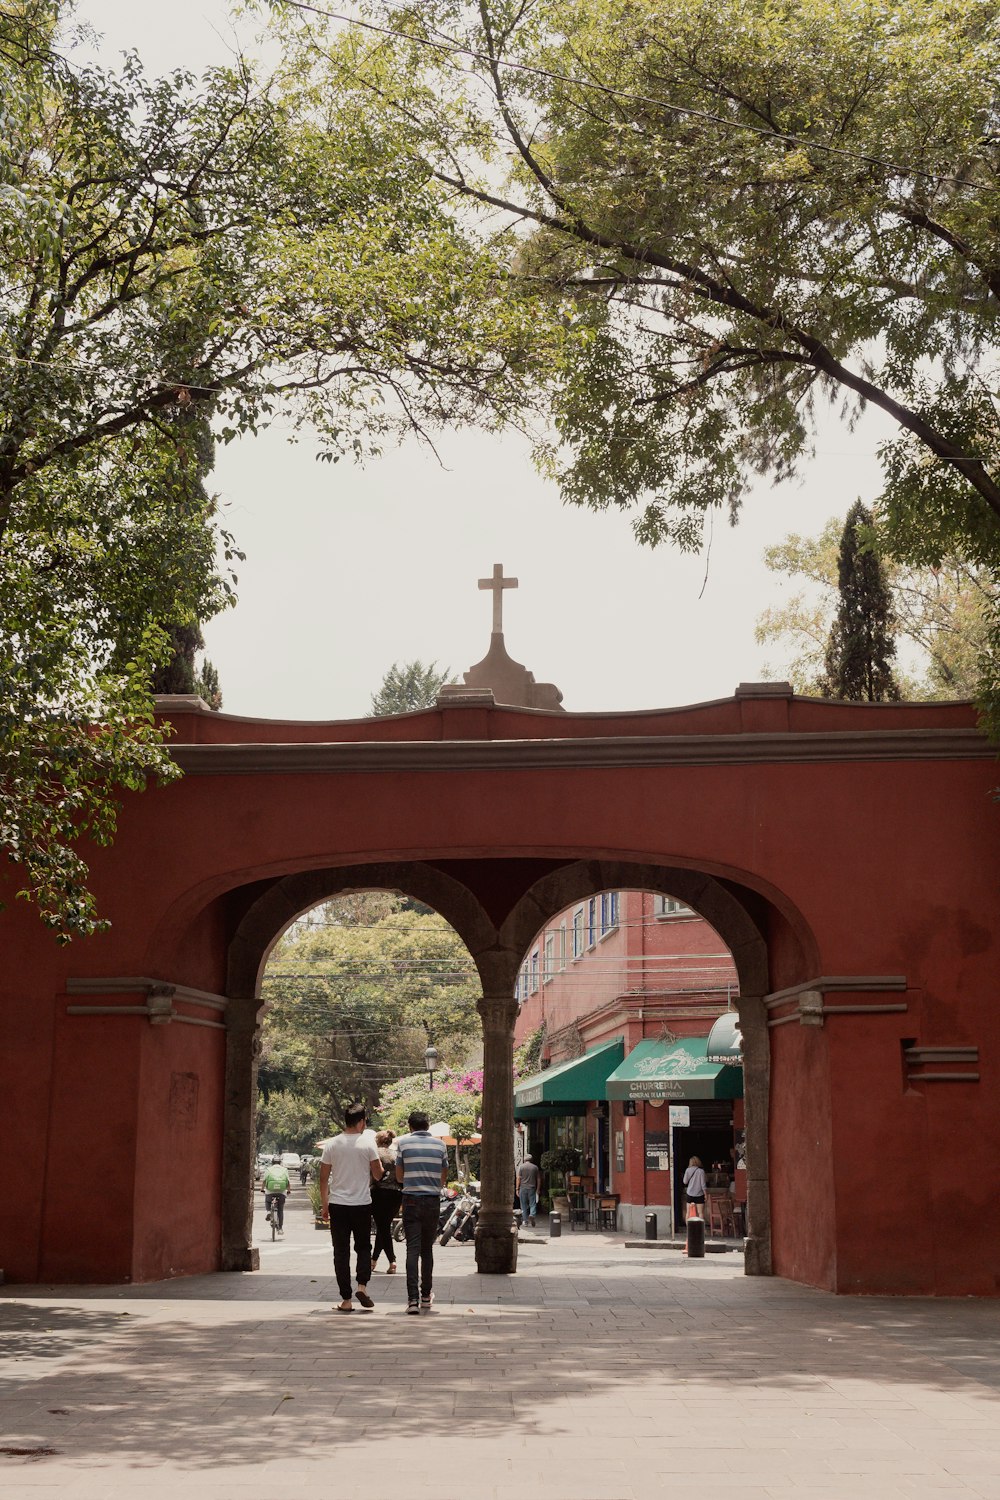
(757,1090)
(496,1242)
(238,1135)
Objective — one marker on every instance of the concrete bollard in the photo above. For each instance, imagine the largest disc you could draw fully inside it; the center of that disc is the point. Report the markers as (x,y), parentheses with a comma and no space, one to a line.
(651,1226)
(555,1226)
(696,1238)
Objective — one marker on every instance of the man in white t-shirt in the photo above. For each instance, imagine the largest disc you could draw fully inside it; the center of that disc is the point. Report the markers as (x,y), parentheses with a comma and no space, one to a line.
(349,1164)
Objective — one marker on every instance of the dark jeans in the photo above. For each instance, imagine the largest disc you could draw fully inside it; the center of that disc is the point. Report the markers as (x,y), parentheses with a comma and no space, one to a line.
(347,1219)
(420,1221)
(276,1201)
(385,1206)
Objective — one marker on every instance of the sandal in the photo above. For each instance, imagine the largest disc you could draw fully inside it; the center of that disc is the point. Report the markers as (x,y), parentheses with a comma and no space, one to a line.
(390,1269)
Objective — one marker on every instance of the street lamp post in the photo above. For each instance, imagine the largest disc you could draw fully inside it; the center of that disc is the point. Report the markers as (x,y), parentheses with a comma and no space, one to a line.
(432,1058)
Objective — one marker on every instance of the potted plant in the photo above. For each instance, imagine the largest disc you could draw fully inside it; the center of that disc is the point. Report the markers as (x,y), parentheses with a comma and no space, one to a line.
(560,1162)
(312,1189)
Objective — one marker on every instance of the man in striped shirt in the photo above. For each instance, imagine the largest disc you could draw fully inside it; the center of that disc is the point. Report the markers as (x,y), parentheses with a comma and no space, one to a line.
(422,1170)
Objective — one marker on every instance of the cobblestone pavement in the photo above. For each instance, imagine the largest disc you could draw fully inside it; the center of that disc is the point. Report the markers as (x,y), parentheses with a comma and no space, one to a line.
(596,1373)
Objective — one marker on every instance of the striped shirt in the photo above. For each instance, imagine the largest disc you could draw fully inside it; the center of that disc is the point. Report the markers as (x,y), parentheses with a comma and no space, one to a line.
(421,1156)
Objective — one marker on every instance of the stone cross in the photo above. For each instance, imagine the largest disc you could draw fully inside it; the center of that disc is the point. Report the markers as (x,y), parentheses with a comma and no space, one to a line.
(498,583)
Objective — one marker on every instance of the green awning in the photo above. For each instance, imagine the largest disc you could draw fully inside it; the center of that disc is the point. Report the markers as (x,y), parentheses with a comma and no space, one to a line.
(725,1044)
(674,1070)
(573,1082)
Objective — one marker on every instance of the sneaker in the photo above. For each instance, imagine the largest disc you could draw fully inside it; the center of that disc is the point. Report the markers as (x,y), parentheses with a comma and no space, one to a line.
(281,1234)
(425,1302)
(413,1308)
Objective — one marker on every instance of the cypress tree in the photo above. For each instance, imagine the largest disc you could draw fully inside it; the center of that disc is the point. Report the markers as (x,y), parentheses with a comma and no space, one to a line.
(861,649)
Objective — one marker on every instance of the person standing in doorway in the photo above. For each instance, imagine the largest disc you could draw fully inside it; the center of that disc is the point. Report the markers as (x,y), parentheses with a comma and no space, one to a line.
(694,1183)
(421,1171)
(349,1165)
(527,1190)
(277,1186)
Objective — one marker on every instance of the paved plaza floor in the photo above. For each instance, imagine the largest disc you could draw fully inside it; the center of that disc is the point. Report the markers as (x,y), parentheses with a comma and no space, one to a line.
(598,1372)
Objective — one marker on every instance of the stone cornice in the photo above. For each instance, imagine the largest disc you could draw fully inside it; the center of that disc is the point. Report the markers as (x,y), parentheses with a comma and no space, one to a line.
(584,753)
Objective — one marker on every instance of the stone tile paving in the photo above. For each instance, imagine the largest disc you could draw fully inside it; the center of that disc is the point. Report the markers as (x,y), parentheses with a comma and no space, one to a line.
(596,1373)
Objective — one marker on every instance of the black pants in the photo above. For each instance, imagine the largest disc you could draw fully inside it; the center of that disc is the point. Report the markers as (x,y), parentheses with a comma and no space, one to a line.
(347,1219)
(385,1206)
(420,1221)
(275,1204)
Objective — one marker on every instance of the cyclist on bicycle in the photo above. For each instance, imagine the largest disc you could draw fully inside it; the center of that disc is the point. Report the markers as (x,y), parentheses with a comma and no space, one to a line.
(276,1185)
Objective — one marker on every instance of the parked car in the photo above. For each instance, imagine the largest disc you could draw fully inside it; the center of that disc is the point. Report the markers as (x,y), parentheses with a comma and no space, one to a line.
(291,1160)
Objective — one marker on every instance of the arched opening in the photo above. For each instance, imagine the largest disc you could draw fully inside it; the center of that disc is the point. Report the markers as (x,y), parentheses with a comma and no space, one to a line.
(267,918)
(767,945)
(618,995)
(371,998)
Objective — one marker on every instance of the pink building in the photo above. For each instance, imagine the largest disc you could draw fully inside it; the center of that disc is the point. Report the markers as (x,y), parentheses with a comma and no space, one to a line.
(628,985)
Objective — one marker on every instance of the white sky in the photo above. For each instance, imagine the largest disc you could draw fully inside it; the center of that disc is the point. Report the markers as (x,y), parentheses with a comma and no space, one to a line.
(351,569)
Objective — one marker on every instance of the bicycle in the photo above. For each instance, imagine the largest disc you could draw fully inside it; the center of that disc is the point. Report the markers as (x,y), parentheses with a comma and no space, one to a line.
(272,1213)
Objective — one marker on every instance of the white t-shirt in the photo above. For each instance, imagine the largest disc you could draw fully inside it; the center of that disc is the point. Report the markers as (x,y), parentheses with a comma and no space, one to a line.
(349,1158)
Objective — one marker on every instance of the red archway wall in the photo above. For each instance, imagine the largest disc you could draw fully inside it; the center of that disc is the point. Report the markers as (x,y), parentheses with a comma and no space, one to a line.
(863,840)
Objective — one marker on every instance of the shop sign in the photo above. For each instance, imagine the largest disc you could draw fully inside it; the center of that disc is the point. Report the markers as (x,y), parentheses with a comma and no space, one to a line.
(655,1088)
(680,1116)
(529,1096)
(657,1151)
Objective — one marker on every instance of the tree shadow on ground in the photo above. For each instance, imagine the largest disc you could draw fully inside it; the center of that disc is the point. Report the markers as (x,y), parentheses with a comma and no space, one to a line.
(197,1392)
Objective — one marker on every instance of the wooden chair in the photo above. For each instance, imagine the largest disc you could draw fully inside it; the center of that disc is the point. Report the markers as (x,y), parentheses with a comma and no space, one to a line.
(721,1219)
(607,1212)
(577,1208)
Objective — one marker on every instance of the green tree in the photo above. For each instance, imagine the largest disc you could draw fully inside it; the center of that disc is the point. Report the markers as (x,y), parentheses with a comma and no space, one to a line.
(173,248)
(861,649)
(943,612)
(355,992)
(407,686)
(745,211)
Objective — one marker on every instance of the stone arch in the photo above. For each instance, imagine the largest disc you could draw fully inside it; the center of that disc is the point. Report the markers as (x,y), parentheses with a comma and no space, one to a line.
(255,935)
(740,916)
(273,911)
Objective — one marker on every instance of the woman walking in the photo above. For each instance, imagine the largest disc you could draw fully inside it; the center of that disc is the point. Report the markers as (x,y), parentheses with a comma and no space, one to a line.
(386,1198)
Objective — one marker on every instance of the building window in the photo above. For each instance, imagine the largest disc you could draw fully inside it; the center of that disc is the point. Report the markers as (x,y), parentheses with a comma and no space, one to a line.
(524,980)
(609,911)
(578,932)
(591,921)
(563,950)
(534,972)
(667,906)
(550,958)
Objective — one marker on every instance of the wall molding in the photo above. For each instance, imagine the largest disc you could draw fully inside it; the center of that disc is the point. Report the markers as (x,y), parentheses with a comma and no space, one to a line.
(159,1006)
(253,759)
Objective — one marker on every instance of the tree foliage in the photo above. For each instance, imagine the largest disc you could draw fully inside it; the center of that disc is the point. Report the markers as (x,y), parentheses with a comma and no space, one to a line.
(407,686)
(355,992)
(749,208)
(943,612)
(861,649)
(183,260)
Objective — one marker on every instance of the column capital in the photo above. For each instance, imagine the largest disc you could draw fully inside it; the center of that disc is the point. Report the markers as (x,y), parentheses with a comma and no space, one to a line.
(498,1012)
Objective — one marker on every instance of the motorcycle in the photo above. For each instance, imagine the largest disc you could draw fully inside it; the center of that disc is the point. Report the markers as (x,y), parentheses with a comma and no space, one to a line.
(462,1223)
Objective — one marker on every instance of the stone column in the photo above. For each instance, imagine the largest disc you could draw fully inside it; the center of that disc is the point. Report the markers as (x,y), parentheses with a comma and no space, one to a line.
(756,1101)
(238,1135)
(496,1243)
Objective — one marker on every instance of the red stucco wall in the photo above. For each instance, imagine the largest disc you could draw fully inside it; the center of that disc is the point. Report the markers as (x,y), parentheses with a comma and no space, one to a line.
(860,867)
